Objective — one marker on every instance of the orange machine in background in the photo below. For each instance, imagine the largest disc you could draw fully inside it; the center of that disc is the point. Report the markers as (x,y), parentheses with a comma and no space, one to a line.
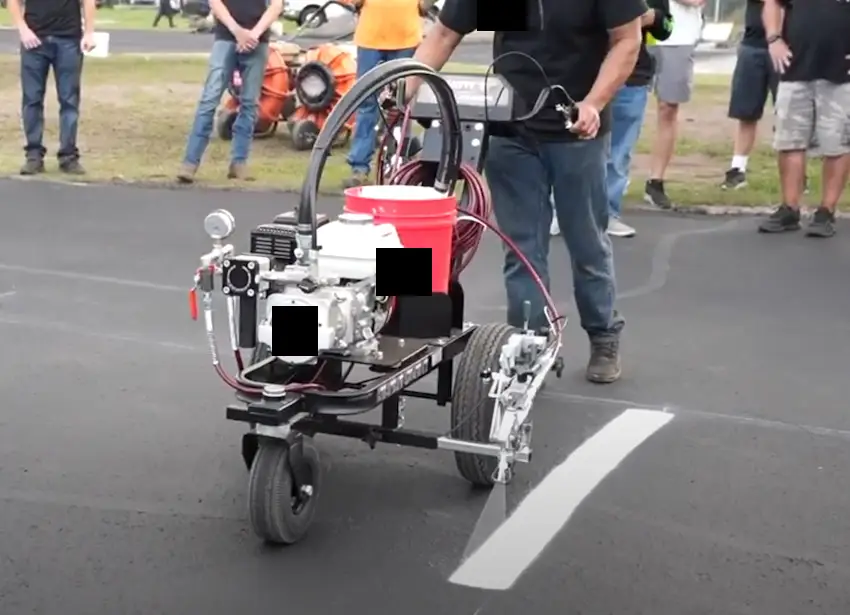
(327,72)
(277,98)
(299,88)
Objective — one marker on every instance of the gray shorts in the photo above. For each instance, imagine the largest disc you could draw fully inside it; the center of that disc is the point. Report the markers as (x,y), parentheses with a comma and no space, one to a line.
(674,72)
(814,116)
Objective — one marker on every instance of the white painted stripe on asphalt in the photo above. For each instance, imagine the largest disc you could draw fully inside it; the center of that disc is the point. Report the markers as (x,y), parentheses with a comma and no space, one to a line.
(514,546)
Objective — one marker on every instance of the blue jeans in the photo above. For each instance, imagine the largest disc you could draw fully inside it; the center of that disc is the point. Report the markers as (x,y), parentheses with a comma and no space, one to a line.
(224,59)
(363,141)
(627,109)
(66,58)
(522,175)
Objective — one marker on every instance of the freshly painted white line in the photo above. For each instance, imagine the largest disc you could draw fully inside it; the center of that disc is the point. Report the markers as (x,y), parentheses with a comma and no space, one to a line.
(512,548)
(85,277)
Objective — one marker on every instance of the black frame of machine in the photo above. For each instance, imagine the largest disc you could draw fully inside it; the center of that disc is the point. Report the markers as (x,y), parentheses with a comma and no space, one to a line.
(423,335)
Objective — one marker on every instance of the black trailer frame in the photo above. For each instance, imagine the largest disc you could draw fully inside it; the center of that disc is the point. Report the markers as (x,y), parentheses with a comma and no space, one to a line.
(405,357)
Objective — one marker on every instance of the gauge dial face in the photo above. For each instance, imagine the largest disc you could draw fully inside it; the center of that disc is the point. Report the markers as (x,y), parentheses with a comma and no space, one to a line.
(219,224)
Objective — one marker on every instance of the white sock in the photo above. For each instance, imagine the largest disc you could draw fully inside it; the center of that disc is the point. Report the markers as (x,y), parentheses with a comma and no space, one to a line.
(740,163)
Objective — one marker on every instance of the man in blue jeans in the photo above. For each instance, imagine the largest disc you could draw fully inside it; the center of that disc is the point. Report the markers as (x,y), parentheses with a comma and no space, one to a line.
(241,43)
(52,35)
(386,30)
(628,109)
(588,47)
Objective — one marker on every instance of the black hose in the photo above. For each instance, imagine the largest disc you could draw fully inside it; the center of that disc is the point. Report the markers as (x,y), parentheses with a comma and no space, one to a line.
(368,85)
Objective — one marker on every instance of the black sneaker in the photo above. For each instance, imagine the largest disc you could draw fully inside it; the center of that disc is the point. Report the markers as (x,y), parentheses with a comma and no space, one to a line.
(735,179)
(604,364)
(654,194)
(72,167)
(822,224)
(33,166)
(782,220)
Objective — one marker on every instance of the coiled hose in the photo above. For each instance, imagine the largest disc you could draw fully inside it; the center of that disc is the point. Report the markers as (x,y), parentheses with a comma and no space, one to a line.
(475,198)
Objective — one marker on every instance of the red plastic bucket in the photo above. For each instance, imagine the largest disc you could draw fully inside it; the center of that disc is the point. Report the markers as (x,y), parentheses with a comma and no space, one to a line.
(422,216)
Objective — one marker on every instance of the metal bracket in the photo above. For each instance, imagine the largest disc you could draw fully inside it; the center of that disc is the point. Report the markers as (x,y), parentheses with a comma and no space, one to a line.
(297,468)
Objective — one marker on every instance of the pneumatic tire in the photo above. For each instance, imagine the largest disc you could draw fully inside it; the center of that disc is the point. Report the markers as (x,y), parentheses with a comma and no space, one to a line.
(277,513)
(471,408)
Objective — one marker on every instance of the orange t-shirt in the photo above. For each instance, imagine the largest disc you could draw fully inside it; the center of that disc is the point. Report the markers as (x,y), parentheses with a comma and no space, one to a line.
(389,25)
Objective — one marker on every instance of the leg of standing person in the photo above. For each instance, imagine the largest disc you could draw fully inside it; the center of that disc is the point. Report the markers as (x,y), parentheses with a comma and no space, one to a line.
(523,177)
(520,188)
(68,71)
(363,140)
(578,172)
(752,80)
(627,111)
(35,67)
(398,54)
(221,65)
(157,18)
(673,85)
(792,138)
(832,135)
(252,68)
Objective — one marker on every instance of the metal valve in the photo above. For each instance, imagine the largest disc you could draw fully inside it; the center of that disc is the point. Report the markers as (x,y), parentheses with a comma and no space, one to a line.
(569,112)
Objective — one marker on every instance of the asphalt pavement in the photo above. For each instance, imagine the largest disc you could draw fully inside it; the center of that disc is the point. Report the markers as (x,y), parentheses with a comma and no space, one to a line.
(162,41)
(470,51)
(122,490)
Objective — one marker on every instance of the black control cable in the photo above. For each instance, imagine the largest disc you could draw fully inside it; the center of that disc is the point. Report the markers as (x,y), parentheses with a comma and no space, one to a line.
(542,99)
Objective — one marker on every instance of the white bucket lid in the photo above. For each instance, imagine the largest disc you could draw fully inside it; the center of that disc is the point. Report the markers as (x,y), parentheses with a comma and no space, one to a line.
(400,193)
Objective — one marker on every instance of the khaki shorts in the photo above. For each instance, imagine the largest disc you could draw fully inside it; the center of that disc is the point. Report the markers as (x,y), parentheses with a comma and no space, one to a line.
(813,116)
(674,72)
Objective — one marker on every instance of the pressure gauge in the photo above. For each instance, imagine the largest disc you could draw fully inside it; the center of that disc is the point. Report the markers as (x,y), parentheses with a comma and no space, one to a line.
(219,224)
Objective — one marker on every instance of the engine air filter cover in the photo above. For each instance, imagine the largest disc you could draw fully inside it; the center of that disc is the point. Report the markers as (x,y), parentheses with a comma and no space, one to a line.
(277,239)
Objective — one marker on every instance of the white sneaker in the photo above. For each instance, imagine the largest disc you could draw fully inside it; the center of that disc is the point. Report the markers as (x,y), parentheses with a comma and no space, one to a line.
(617,228)
(555,229)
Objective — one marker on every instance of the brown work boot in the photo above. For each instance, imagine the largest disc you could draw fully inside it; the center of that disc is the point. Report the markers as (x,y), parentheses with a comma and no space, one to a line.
(239,171)
(357,178)
(186,174)
(604,364)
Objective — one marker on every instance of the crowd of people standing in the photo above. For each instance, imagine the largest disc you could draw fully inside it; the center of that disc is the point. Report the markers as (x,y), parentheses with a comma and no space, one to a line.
(795,54)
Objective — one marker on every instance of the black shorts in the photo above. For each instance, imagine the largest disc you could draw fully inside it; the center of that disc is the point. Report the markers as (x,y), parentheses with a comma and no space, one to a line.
(753,79)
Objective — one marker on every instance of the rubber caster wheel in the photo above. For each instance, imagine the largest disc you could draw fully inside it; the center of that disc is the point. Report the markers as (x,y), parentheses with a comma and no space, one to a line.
(312,17)
(304,133)
(471,407)
(224,124)
(283,490)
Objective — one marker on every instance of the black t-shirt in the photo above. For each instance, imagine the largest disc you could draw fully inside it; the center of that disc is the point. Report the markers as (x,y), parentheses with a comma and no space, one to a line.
(62,18)
(645,68)
(818,33)
(754,35)
(244,12)
(570,42)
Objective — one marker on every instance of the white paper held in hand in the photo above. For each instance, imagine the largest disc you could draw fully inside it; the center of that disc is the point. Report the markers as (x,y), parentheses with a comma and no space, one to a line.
(101,46)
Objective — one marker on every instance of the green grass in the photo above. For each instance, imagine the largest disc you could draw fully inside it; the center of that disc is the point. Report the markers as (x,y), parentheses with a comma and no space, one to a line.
(137,112)
(132,18)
